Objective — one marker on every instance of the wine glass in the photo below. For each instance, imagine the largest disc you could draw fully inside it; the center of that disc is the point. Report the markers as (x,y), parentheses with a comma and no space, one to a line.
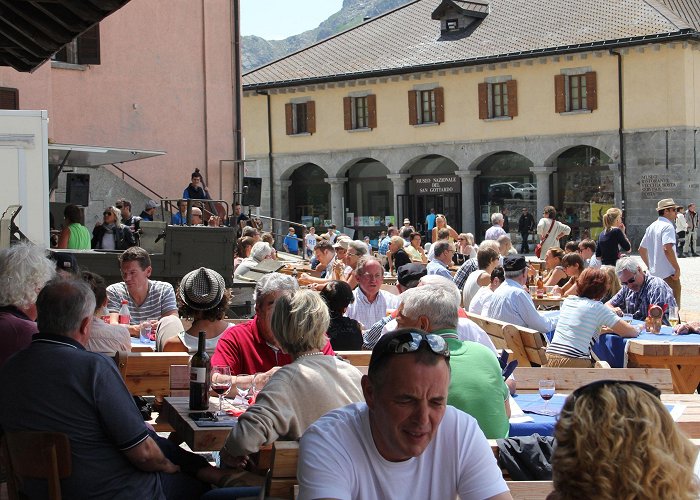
(244,384)
(221,384)
(546,391)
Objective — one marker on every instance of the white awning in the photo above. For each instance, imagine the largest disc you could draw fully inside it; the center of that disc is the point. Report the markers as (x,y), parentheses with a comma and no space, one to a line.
(76,155)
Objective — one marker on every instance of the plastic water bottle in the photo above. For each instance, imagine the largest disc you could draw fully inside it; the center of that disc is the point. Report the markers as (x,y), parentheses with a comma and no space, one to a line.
(124,315)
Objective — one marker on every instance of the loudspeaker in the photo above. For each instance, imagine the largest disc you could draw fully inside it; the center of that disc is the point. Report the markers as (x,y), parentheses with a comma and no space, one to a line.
(252,188)
(78,189)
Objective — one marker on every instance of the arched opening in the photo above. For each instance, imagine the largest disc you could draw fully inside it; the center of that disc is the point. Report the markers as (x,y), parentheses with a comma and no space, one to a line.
(583,190)
(309,196)
(370,201)
(505,185)
(433,185)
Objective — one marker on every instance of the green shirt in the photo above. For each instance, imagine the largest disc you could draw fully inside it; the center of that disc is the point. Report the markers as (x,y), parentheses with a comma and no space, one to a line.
(477,386)
(79,238)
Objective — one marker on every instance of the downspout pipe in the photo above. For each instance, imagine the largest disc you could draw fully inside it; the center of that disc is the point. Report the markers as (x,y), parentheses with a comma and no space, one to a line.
(269,148)
(621,125)
(237,92)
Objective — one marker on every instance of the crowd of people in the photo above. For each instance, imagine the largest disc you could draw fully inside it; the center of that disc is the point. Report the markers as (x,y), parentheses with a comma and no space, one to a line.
(434,392)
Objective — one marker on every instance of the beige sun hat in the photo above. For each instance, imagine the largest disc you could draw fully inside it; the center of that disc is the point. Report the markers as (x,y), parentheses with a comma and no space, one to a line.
(666,203)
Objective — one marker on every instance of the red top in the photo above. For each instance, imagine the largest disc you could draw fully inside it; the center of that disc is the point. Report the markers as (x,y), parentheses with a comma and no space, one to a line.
(242,348)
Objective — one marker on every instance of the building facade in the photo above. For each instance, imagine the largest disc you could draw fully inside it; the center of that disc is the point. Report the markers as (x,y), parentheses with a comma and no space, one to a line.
(472,107)
(155,75)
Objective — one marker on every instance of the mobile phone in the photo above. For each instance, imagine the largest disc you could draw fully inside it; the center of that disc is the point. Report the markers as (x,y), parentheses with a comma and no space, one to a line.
(203,415)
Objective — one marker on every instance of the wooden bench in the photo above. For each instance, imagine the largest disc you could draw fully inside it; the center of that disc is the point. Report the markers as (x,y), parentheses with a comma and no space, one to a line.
(528,346)
(569,379)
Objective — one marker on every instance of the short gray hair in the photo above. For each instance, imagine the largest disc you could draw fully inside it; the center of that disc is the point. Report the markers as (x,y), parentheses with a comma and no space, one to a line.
(496,217)
(300,321)
(274,282)
(490,244)
(441,247)
(439,304)
(63,304)
(363,262)
(24,270)
(627,264)
(511,275)
(360,247)
(260,250)
(446,283)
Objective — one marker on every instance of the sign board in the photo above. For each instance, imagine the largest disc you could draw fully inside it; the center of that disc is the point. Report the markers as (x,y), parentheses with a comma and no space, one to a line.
(435,184)
(656,186)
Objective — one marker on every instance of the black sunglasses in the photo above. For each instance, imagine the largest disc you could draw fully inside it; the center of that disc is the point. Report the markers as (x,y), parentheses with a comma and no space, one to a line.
(411,342)
(629,281)
(106,213)
(119,206)
(594,386)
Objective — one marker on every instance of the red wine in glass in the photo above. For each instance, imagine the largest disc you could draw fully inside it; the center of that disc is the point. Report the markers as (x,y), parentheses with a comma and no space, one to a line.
(546,391)
(220,389)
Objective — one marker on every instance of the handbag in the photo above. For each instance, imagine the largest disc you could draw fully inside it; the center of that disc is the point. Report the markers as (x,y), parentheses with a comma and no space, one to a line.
(538,247)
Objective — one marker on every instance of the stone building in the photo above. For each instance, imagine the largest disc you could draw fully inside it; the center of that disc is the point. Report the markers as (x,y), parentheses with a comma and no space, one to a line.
(471,106)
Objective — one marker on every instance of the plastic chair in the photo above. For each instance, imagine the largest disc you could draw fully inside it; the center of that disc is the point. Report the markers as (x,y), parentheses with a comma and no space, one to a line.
(36,455)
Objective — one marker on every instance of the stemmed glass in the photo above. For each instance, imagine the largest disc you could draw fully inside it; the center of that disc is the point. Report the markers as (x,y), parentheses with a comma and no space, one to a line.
(673,315)
(244,385)
(546,391)
(221,384)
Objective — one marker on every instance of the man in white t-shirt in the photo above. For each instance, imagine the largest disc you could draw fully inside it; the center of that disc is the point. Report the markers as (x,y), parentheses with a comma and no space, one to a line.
(658,247)
(405,442)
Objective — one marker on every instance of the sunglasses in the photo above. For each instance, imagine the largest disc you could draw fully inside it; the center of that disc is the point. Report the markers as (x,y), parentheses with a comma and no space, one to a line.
(411,342)
(119,206)
(106,213)
(594,386)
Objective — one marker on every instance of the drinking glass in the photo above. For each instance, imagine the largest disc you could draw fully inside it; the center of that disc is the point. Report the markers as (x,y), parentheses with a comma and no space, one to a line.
(244,384)
(221,384)
(546,391)
(673,315)
(145,332)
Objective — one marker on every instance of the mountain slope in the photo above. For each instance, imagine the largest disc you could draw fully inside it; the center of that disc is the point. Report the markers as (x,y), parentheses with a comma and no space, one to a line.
(257,51)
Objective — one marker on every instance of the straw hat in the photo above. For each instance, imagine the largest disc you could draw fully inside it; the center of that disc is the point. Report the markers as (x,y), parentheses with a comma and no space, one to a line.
(202,289)
(666,203)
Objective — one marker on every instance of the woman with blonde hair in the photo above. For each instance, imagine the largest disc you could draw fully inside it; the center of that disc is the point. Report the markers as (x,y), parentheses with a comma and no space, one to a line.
(298,393)
(111,234)
(612,239)
(614,284)
(616,440)
(441,223)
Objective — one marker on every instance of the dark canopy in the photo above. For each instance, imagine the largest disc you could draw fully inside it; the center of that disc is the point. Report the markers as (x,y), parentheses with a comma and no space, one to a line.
(32,31)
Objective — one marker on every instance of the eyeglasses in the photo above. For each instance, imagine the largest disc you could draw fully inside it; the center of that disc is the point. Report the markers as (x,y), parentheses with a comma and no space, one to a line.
(351,254)
(629,281)
(594,386)
(106,213)
(375,276)
(119,206)
(411,342)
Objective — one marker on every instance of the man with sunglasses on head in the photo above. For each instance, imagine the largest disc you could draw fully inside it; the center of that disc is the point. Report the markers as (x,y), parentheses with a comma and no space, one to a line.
(639,291)
(658,247)
(405,441)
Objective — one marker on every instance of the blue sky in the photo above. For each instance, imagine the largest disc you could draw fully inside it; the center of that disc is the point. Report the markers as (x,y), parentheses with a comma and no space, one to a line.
(278,19)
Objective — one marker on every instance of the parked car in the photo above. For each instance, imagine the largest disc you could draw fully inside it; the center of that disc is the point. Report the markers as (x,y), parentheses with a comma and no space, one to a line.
(529,191)
(507,190)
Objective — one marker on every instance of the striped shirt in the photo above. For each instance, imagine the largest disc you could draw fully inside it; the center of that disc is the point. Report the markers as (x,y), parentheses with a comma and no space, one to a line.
(579,326)
(464,271)
(159,301)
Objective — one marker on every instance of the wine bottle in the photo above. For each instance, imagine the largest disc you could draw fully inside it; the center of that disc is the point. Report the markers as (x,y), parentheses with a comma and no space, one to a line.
(200,373)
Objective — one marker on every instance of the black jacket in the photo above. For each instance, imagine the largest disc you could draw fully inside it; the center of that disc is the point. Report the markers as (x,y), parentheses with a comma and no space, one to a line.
(526,223)
(124,238)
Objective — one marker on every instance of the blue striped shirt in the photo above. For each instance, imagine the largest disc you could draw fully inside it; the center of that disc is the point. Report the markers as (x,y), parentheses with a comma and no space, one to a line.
(579,326)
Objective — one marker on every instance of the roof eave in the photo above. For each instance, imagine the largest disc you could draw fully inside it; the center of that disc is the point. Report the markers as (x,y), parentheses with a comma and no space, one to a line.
(606,44)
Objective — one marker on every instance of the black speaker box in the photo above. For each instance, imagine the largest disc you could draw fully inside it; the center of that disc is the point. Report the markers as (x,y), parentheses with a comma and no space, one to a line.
(78,189)
(252,188)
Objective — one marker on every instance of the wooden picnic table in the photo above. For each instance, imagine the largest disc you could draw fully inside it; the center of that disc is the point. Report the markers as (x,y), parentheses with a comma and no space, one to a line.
(683,359)
(548,302)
